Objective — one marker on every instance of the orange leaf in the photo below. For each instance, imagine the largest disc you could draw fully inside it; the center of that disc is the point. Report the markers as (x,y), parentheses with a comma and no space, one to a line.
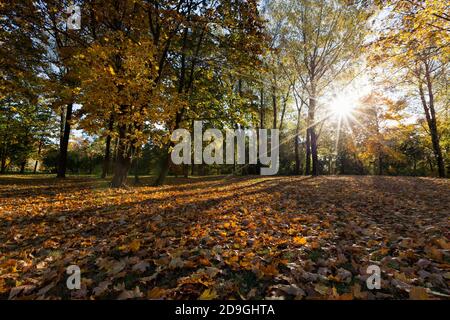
(418,293)
(300,241)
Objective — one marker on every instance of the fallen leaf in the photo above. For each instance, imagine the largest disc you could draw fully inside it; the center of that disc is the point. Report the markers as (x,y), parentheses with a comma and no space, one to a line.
(208,294)
(418,293)
(156,293)
(299,241)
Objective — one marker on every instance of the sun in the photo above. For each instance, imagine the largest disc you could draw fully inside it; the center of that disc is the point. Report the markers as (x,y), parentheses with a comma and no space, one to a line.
(343,106)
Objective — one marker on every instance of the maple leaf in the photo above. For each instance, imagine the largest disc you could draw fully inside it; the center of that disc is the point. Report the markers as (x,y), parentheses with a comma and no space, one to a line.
(299,241)
(208,294)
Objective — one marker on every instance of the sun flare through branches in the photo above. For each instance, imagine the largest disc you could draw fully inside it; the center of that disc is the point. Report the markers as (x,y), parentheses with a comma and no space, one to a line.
(343,105)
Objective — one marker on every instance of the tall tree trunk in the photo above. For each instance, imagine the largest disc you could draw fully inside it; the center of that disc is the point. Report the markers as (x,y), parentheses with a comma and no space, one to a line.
(201,169)
(433,125)
(437,149)
(185,170)
(181,86)
(35,166)
(312,132)
(62,124)
(314,156)
(308,152)
(297,144)
(114,155)
(136,171)
(430,114)
(297,132)
(430,163)
(235,166)
(91,166)
(274,103)
(283,109)
(22,167)
(5,146)
(62,161)
(123,161)
(3,166)
(380,164)
(39,153)
(165,163)
(261,125)
(136,166)
(261,110)
(107,158)
(164,170)
(3,160)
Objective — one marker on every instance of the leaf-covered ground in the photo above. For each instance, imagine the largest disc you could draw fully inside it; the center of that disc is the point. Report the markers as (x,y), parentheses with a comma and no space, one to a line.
(226,238)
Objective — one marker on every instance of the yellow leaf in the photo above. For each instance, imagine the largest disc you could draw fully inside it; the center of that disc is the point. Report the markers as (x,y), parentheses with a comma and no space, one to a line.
(208,294)
(111,70)
(418,293)
(300,241)
(135,245)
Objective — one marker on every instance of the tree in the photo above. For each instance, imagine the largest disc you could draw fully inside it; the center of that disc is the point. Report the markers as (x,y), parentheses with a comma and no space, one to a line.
(416,44)
(25,118)
(219,46)
(121,69)
(323,37)
(375,118)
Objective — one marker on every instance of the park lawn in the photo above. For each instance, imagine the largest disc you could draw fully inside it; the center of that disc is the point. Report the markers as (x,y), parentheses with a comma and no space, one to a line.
(225,238)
